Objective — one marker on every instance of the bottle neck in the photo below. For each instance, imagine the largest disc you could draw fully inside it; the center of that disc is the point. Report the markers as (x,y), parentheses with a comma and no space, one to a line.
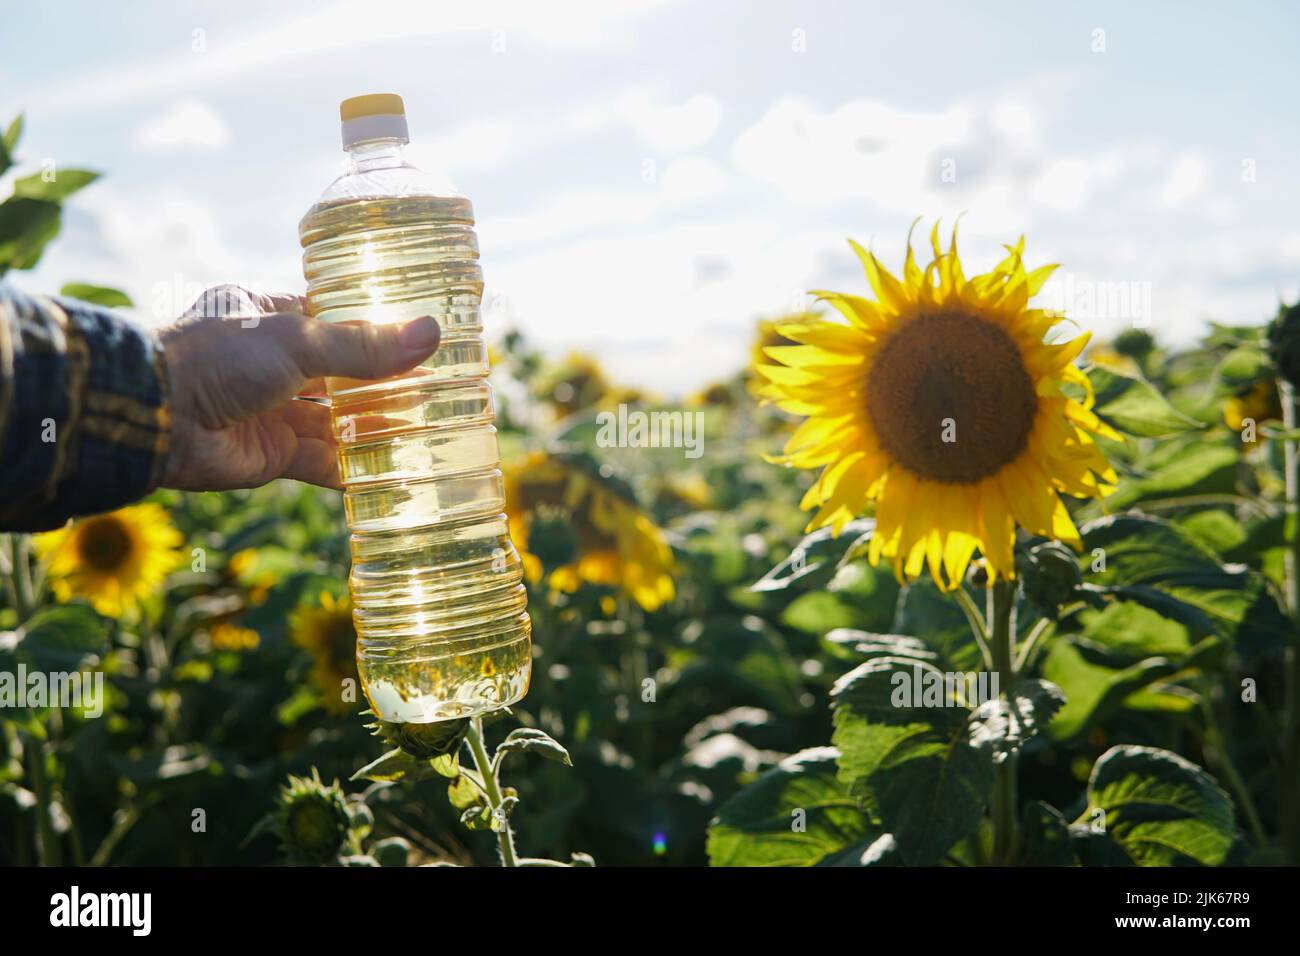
(376,154)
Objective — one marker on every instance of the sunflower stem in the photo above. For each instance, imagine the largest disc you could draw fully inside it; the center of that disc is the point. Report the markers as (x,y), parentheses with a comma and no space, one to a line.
(487,769)
(974,617)
(1216,751)
(20,574)
(1001,629)
(47,840)
(1289,783)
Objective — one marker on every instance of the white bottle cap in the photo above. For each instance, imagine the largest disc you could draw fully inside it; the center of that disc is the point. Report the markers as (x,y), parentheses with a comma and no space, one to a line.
(375,116)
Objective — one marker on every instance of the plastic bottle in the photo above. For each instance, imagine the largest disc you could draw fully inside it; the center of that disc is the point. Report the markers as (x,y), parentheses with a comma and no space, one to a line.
(437,587)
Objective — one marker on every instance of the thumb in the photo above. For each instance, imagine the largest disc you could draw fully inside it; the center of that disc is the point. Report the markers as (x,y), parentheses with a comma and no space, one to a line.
(359,350)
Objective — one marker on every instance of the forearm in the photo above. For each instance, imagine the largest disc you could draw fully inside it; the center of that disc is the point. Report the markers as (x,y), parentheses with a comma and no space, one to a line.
(84,411)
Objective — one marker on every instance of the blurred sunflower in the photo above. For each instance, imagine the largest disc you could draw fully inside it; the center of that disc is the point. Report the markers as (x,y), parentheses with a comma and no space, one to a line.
(248,569)
(941,403)
(1107,357)
(1260,402)
(227,636)
(573,522)
(324,629)
(112,560)
(716,395)
(576,383)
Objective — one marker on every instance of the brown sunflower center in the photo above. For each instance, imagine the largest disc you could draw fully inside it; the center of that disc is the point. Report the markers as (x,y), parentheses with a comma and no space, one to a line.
(950,398)
(552,505)
(103,544)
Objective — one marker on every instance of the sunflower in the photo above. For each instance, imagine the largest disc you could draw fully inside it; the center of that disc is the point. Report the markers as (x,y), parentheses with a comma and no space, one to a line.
(576,383)
(324,629)
(112,560)
(228,636)
(575,523)
(1108,358)
(941,403)
(247,568)
(768,335)
(1259,402)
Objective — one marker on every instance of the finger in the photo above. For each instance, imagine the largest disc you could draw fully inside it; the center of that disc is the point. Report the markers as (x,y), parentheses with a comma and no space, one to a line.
(279,302)
(314,388)
(316,463)
(308,420)
(361,350)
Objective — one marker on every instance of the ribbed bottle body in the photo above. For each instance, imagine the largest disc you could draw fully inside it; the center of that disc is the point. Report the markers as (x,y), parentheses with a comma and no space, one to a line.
(437,587)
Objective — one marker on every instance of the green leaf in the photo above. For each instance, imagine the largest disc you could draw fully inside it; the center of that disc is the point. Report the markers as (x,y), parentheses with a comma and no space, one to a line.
(97,294)
(818,612)
(446,765)
(1134,631)
(9,143)
(13,133)
(1243,366)
(1216,530)
(1160,809)
(477,818)
(66,638)
(1198,469)
(1162,567)
(741,656)
(463,793)
(1007,723)
(814,559)
(170,763)
(1047,836)
(853,642)
(26,227)
(55,186)
(911,760)
(397,764)
(532,740)
(796,814)
(1094,689)
(1133,405)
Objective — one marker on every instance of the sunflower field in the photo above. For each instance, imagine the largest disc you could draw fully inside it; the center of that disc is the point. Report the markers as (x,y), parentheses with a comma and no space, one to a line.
(948,584)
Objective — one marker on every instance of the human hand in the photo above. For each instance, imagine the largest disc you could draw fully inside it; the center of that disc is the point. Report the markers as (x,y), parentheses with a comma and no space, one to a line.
(237,359)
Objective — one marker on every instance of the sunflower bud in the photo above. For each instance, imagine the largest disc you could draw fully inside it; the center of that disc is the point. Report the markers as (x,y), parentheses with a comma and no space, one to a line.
(425,741)
(1284,342)
(1136,344)
(311,820)
(1051,574)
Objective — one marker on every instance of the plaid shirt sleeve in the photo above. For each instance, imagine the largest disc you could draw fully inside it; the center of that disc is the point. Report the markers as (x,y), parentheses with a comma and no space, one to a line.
(84,414)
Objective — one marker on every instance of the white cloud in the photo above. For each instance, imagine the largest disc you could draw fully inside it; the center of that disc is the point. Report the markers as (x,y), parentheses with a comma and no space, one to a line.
(1186,179)
(188,125)
(693,178)
(202,61)
(863,149)
(669,308)
(671,128)
(1064,185)
(482,144)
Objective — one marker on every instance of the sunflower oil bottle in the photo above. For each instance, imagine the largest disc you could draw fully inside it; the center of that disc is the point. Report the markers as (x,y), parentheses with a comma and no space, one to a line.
(437,588)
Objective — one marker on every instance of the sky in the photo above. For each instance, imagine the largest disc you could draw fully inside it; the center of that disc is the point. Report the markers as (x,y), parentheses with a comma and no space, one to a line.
(651,177)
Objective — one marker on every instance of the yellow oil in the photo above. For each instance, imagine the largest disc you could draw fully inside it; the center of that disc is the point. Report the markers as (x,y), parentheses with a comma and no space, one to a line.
(437,588)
